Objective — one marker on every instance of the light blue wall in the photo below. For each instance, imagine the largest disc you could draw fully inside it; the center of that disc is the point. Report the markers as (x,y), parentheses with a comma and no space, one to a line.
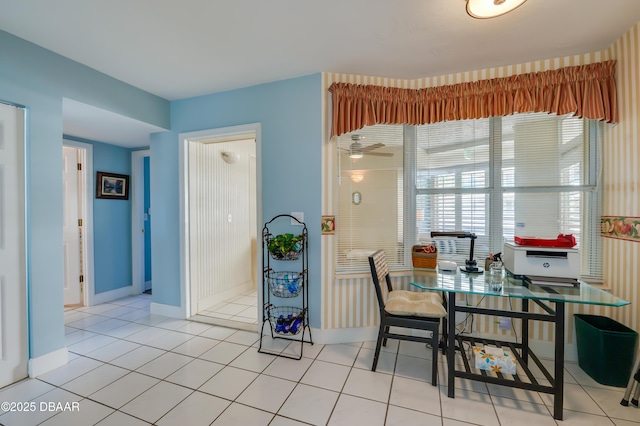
(39,79)
(111,223)
(291,118)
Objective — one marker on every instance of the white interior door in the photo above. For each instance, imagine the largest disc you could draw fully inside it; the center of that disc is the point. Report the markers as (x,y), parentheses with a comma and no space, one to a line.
(71,229)
(13,318)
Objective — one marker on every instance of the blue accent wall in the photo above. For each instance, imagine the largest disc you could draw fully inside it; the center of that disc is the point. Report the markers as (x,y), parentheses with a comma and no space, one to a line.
(39,79)
(291,118)
(111,223)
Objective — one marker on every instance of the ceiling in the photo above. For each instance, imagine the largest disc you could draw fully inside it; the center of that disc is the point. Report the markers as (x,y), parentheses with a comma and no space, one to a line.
(186,48)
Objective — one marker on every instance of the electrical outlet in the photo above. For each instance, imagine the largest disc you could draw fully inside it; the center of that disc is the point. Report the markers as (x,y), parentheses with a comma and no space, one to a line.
(504,323)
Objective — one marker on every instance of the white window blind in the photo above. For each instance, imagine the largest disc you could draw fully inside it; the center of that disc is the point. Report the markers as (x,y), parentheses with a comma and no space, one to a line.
(525,174)
(378,221)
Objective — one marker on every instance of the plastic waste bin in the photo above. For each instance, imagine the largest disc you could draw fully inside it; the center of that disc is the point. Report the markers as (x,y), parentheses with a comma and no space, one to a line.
(606,349)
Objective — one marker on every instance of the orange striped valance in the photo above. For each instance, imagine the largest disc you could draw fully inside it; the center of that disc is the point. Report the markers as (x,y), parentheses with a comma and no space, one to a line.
(585,90)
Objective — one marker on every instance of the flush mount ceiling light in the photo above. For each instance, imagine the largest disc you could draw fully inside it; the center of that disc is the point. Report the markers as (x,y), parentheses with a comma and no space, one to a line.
(483,9)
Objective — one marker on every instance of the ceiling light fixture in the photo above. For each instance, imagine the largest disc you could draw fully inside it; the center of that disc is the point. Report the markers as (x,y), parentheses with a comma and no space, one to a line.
(483,9)
(355,151)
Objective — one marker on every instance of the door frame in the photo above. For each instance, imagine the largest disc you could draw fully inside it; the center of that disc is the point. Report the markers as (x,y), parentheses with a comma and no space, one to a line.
(86,183)
(223,134)
(137,219)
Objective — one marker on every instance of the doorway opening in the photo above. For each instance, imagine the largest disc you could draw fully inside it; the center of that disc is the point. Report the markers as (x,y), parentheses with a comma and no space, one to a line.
(77,175)
(220,207)
(141,221)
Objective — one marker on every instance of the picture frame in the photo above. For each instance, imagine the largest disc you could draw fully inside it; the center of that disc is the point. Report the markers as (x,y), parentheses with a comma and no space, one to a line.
(112,186)
(328,225)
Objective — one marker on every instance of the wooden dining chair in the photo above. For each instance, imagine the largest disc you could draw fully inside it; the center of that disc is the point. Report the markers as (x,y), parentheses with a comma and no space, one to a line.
(405,309)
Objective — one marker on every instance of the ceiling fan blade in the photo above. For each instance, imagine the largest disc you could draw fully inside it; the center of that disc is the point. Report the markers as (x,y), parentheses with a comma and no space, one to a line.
(379,154)
(372,147)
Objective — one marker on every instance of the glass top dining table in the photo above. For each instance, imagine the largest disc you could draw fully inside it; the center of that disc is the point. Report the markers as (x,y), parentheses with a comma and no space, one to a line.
(519,288)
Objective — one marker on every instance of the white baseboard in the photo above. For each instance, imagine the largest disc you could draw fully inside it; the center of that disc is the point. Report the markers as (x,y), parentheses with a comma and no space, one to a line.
(45,363)
(108,296)
(147,285)
(168,310)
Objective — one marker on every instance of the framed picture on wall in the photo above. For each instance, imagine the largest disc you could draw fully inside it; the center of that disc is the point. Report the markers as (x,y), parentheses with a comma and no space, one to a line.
(112,186)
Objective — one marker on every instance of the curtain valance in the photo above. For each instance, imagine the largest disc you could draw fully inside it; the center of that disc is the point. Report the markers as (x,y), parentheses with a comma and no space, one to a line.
(586,90)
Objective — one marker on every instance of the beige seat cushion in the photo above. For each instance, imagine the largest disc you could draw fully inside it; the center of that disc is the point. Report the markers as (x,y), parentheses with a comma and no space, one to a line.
(414,304)
(416,295)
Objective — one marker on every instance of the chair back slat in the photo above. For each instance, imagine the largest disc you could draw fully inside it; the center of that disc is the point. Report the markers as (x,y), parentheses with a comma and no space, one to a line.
(379,272)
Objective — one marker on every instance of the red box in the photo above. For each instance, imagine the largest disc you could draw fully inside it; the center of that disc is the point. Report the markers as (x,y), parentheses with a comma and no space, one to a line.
(566,241)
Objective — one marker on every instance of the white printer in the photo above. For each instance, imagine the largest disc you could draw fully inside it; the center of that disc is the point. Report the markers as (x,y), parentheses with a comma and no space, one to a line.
(541,261)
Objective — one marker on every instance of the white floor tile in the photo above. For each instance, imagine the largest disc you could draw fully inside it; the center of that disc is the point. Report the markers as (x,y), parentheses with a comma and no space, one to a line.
(398,416)
(70,371)
(218,333)
(326,375)
(170,340)
(576,399)
(113,350)
(238,414)
(339,354)
(165,365)
(120,419)
(228,383)
(124,390)
(416,395)
(476,408)
(414,368)
(88,413)
(609,401)
(195,374)
(386,361)
(224,352)
(196,346)
(94,380)
(147,335)
(194,328)
(25,390)
(252,360)
(511,412)
(310,404)
(156,402)
(242,337)
(368,384)
(266,393)
(351,410)
(197,409)
(137,357)
(289,369)
(39,415)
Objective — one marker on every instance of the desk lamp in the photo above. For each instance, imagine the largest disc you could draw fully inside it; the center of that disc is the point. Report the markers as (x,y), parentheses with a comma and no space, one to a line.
(470,264)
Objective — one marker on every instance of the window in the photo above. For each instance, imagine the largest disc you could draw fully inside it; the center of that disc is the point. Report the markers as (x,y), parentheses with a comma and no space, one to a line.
(525,174)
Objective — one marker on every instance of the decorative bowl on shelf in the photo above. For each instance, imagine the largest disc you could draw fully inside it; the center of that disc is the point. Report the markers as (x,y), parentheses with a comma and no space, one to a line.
(284,283)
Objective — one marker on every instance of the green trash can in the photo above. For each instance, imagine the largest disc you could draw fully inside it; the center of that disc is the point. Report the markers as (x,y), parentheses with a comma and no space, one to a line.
(606,349)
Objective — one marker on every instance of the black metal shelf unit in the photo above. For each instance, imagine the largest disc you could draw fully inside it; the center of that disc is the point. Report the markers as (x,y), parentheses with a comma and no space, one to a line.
(285,281)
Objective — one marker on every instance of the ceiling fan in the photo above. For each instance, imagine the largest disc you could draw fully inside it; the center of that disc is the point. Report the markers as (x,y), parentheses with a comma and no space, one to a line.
(356,150)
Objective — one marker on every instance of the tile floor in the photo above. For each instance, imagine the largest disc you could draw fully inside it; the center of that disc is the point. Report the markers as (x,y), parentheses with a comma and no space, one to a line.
(129,367)
(239,312)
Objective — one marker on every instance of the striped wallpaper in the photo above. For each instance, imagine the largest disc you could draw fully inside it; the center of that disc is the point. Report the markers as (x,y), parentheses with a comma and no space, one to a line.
(348,300)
